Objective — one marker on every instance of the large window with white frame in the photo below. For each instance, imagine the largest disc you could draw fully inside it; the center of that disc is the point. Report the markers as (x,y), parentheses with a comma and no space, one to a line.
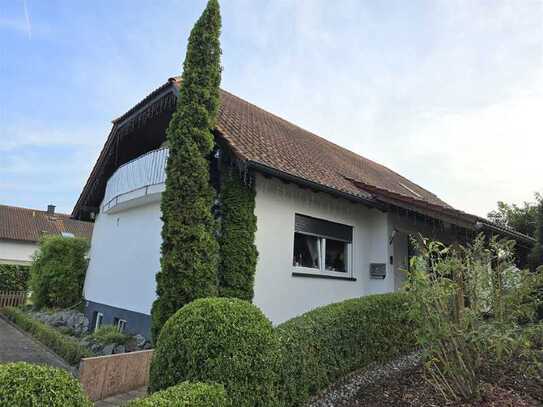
(322,246)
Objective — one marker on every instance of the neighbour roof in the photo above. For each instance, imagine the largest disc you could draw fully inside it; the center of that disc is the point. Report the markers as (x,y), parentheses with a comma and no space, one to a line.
(30,224)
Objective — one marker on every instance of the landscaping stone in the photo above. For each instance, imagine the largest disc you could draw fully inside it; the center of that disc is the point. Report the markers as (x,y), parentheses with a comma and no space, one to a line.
(119,349)
(140,340)
(76,321)
(344,390)
(108,349)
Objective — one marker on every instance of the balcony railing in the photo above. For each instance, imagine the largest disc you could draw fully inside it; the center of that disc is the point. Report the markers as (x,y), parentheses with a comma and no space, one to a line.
(135,178)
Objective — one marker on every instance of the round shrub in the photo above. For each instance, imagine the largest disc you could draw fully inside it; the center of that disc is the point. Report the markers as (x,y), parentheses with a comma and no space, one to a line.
(185,394)
(27,385)
(221,340)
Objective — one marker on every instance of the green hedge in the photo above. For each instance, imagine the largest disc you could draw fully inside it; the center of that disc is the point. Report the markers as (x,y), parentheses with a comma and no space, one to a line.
(219,340)
(14,277)
(58,271)
(27,385)
(67,348)
(327,343)
(185,394)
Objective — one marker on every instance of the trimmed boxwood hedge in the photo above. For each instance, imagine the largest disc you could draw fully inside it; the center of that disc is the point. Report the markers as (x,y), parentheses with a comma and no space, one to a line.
(185,394)
(219,340)
(27,385)
(67,348)
(324,344)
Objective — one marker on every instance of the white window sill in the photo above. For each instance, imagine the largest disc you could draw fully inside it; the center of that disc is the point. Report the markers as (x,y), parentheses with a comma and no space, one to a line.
(315,273)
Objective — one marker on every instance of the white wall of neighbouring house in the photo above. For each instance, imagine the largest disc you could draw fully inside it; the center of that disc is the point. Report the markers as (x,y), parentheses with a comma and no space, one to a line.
(125,257)
(17,252)
(281,295)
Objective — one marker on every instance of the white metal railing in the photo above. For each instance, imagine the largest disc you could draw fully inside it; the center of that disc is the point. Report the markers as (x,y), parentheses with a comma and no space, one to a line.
(142,172)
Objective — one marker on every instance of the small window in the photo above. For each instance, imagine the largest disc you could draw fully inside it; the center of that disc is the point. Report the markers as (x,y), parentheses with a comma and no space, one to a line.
(121,325)
(322,245)
(98,320)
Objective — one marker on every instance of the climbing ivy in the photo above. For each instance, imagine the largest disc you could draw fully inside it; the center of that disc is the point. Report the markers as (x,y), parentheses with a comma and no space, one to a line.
(238,252)
(189,247)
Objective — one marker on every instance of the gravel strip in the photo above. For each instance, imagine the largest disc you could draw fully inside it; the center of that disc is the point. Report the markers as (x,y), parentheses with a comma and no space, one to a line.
(347,388)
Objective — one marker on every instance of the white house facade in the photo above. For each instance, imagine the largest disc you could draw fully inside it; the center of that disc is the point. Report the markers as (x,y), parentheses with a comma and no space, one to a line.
(331,225)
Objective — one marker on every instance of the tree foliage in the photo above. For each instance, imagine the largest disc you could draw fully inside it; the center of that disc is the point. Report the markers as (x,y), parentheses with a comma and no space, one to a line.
(521,218)
(58,271)
(189,247)
(14,277)
(536,255)
(238,252)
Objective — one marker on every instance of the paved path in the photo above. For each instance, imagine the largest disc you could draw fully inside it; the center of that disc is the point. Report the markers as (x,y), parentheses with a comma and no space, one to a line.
(16,346)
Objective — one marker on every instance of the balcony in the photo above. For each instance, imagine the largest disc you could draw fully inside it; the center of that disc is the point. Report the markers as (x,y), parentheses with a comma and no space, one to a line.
(136,182)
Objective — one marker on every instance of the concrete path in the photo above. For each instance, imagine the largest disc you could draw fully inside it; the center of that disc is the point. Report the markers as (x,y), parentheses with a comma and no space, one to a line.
(16,346)
(121,399)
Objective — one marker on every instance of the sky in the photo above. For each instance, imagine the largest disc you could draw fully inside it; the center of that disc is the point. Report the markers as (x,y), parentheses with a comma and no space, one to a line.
(447,93)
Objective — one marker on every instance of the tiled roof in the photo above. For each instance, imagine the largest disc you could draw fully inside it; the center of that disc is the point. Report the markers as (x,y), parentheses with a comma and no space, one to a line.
(259,136)
(31,224)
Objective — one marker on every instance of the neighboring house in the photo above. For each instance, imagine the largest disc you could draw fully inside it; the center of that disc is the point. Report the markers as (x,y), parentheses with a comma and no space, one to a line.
(22,228)
(331,224)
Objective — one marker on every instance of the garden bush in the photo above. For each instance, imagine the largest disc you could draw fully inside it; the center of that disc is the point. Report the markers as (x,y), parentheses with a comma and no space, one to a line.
(58,271)
(28,385)
(324,344)
(185,394)
(109,334)
(14,277)
(221,340)
(66,347)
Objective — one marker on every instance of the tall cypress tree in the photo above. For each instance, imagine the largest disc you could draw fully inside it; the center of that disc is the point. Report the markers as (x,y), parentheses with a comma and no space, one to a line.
(189,248)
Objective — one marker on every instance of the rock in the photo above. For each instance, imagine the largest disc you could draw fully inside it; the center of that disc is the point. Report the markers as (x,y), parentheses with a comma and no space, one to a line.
(147,345)
(108,349)
(119,349)
(140,340)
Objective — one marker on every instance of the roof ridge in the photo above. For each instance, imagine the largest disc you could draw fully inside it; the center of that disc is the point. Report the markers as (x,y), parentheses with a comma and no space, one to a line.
(36,210)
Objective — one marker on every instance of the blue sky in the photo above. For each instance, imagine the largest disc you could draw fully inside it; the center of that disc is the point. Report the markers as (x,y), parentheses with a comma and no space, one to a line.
(447,93)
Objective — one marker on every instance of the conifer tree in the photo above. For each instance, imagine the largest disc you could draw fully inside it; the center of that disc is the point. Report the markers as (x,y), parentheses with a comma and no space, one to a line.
(238,253)
(189,248)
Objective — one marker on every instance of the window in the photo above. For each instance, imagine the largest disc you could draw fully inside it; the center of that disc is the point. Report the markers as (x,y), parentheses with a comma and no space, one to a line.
(98,317)
(322,245)
(120,324)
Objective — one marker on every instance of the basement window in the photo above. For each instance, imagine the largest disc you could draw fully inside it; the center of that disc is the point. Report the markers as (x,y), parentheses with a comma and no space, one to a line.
(98,318)
(322,246)
(120,324)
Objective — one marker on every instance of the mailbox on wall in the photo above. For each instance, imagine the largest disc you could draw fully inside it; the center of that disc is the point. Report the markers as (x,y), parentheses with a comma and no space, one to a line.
(378,271)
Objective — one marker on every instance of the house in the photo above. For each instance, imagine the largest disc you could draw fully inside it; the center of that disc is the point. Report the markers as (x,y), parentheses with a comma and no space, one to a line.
(22,228)
(331,224)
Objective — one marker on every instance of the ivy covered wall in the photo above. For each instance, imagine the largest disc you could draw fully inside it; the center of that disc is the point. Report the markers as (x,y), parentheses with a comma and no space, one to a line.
(238,253)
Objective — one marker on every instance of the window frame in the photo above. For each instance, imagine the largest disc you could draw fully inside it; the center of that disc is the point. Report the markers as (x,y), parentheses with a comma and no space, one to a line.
(98,321)
(322,271)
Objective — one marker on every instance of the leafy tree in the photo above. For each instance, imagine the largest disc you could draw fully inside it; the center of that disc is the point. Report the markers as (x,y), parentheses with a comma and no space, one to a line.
(189,247)
(521,218)
(238,252)
(536,255)
(58,271)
